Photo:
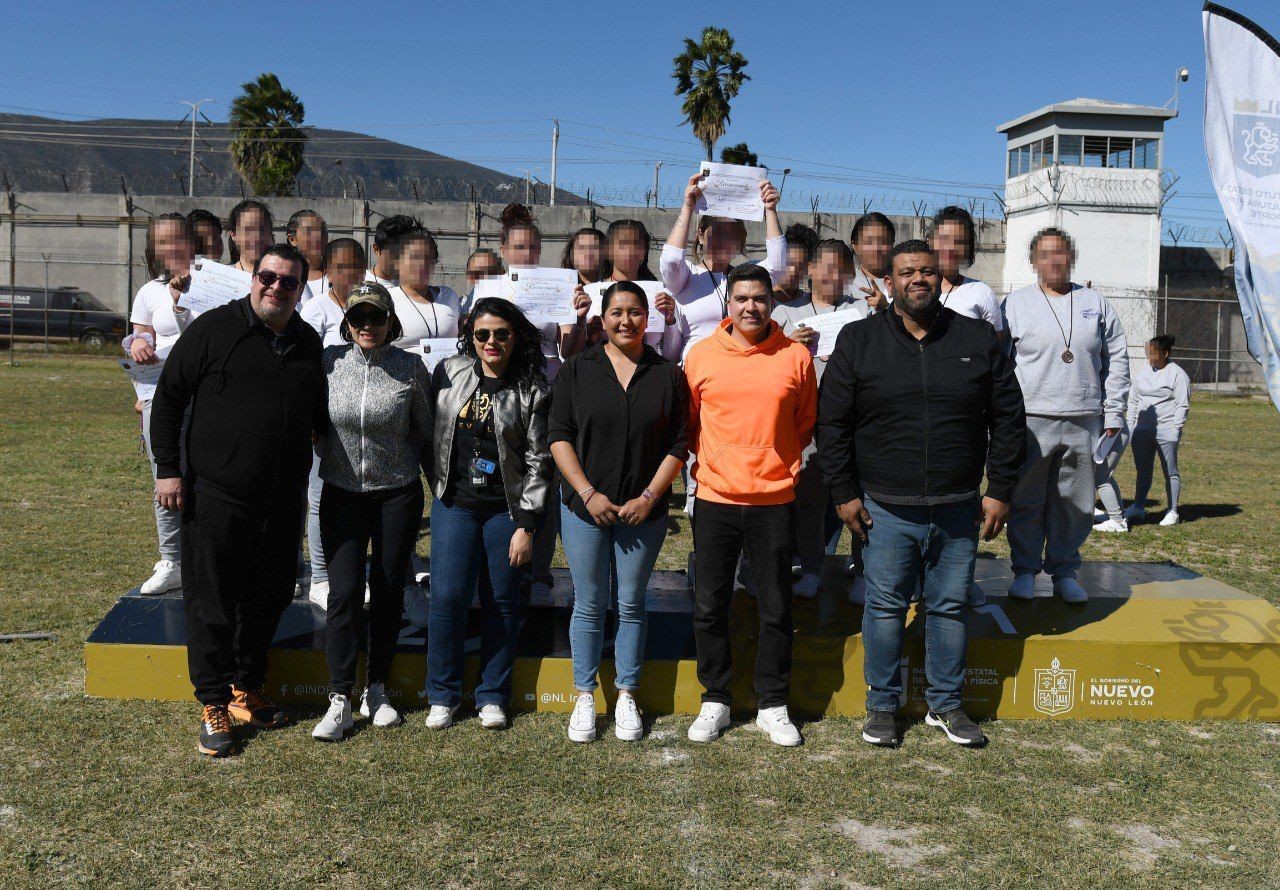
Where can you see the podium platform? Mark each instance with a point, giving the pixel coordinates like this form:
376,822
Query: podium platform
1155,641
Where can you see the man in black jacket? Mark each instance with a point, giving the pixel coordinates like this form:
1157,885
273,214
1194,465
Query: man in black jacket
250,372
915,401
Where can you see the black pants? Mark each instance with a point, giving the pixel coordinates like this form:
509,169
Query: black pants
238,569
720,533
348,523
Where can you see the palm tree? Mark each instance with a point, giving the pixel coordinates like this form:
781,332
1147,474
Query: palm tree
739,154
267,149
709,74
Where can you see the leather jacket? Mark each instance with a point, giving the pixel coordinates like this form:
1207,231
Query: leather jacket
520,424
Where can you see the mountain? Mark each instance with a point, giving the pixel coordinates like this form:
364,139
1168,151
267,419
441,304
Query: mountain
151,156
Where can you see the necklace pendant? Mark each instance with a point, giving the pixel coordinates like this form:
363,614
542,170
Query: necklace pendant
1068,356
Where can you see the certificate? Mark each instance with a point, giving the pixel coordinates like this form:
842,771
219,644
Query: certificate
544,295
828,326
437,349
144,377
732,191
657,324
212,285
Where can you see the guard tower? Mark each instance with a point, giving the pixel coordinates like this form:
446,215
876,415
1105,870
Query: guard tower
1093,169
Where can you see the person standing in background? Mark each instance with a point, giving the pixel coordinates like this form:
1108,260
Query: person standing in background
208,229
249,233
872,238
307,231
1158,412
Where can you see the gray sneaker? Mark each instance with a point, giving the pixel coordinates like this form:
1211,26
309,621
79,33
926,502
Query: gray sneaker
958,727
881,728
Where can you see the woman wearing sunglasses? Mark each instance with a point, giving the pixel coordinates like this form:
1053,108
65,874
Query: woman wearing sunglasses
379,405
491,486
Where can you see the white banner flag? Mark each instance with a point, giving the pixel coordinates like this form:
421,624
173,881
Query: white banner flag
1242,142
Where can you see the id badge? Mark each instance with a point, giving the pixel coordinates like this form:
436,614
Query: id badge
481,470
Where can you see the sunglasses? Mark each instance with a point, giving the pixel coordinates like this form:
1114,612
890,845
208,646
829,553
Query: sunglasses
288,283
359,318
502,335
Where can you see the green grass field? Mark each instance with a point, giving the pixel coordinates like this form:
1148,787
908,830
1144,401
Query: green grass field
113,792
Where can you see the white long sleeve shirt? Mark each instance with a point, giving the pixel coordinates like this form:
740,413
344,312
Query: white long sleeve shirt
1160,401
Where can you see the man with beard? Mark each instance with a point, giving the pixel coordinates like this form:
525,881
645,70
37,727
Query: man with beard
915,401
250,372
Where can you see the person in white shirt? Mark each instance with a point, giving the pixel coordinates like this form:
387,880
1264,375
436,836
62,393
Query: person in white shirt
1158,409
249,233
484,262
872,238
954,240
426,311
698,284
307,231
627,244
158,322
208,229
345,260
584,253
386,235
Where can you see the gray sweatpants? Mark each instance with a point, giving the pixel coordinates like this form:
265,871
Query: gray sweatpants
1052,511
1146,445
1108,490
168,522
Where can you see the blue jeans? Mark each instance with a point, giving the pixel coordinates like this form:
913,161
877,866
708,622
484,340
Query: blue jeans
598,554
461,541
943,542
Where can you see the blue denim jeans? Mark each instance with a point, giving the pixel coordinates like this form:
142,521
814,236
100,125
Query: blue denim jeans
943,542
597,555
461,541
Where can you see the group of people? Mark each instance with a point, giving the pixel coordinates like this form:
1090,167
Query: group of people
309,403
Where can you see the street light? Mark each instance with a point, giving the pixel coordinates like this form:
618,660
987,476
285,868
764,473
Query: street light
1178,80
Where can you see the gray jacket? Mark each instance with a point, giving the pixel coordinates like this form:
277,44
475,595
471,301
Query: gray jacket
380,412
520,424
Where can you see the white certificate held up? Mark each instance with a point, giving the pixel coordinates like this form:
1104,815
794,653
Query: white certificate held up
657,324
212,285
144,377
437,349
828,326
732,191
544,295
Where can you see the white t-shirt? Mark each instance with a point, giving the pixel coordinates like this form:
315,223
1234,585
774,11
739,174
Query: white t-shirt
325,315
974,299
154,306
313,289
421,321
385,282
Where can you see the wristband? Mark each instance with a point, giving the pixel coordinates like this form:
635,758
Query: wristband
648,495
141,335
586,492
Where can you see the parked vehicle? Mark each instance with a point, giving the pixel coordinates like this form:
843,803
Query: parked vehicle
70,314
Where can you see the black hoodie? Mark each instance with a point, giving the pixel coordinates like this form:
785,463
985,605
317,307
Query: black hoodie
255,400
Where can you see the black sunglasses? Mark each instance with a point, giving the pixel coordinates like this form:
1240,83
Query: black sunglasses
288,283
360,317
502,335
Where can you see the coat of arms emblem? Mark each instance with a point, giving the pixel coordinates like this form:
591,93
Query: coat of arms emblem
1055,689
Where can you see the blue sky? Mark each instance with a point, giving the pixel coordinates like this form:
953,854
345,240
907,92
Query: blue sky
887,100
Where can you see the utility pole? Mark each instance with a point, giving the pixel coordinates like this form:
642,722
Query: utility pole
12,201
656,168
528,184
191,163
555,147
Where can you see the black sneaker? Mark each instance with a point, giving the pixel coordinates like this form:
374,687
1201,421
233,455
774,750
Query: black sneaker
216,739
958,727
881,728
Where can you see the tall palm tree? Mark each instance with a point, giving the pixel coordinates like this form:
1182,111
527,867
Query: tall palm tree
709,74
267,149
739,154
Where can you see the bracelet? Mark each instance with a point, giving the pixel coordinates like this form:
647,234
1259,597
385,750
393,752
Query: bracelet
581,494
589,497
648,495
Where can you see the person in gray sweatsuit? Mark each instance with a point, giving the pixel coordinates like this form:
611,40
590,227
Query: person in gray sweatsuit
1071,359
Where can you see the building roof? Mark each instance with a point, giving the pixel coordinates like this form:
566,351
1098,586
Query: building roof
1090,106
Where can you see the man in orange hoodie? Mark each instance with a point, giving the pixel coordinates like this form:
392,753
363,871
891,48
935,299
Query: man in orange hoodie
753,405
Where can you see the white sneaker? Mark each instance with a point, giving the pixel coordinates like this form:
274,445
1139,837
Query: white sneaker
1135,511
807,586
777,723
493,717
167,576
582,722
1111,525
1023,588
416,608
337,722
977,596
1070,590
441,716
858,590
1170,518
628,724
319,594
712,720
375,705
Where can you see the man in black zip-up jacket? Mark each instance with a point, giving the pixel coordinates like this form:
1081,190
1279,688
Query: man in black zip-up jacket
915,402
250,374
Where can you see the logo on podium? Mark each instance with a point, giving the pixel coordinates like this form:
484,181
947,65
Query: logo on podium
1055,689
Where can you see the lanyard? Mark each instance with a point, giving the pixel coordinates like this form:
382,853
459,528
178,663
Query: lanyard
434,317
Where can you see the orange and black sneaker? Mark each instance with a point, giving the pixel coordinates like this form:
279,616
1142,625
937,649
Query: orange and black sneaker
253,707
216,739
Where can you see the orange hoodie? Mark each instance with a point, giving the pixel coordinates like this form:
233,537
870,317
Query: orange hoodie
752,411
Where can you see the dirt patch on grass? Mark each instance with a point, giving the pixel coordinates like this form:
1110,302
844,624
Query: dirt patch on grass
1146,844
901,847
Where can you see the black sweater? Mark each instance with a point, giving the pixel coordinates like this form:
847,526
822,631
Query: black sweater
255,399
913,422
